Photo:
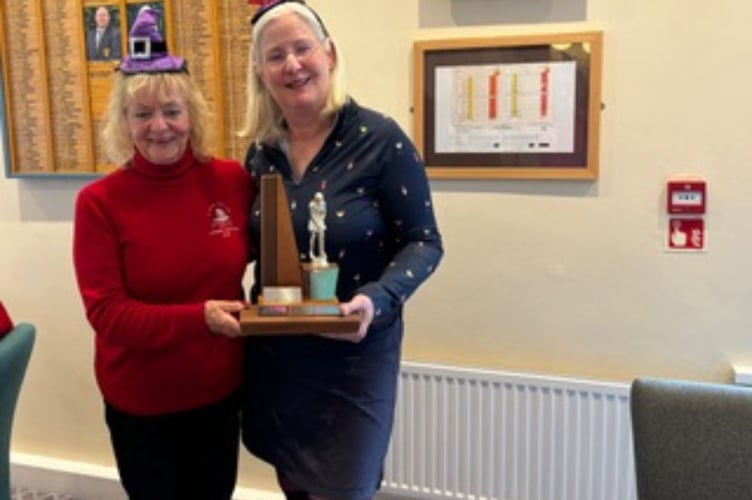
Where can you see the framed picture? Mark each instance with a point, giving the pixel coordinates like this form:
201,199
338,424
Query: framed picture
103,35
513,107
133,9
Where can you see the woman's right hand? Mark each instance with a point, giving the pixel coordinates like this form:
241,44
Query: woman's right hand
222,316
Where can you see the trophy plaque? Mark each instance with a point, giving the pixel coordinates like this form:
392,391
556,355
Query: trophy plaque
296,297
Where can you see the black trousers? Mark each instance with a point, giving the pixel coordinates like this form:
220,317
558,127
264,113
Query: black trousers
188,455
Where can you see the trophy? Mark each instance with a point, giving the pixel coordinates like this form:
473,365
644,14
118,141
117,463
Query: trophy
295,297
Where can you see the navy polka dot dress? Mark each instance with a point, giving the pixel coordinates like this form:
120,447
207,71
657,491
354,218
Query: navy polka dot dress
321,410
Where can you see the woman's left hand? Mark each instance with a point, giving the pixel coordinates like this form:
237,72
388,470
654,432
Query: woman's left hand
360,304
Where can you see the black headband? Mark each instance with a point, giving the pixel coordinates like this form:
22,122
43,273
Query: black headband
271,5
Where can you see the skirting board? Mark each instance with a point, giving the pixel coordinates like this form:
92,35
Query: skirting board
87,481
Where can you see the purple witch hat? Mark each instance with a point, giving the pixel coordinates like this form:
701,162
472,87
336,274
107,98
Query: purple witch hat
147,50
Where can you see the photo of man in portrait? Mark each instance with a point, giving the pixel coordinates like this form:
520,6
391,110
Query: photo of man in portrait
103,36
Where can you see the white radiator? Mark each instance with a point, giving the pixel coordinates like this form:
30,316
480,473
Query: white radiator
472,434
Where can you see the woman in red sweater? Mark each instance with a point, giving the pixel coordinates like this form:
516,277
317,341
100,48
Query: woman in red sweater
160,249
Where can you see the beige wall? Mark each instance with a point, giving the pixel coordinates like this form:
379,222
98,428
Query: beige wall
542,276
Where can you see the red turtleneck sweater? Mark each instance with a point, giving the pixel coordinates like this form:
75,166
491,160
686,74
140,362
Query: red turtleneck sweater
151,244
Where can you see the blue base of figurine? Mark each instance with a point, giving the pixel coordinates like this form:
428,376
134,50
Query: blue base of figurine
322,283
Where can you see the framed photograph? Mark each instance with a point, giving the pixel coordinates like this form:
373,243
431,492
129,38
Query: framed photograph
103,35
133,9
513,107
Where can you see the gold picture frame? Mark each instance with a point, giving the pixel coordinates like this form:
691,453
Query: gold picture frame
509,107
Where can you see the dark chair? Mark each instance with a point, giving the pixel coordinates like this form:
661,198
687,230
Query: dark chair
15,350
692,440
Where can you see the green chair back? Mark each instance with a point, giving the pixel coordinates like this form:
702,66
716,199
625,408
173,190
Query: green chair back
15,351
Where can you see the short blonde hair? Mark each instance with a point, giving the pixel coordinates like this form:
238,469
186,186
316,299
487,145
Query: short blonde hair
263,117
116,138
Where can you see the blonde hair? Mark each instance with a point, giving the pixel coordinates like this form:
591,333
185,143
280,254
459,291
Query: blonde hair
263,117
116,138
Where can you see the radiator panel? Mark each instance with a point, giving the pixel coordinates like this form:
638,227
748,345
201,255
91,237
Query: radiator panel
473,434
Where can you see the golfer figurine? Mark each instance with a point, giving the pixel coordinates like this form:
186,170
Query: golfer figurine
317,228
320,274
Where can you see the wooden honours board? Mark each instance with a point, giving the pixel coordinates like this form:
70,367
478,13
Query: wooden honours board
55,95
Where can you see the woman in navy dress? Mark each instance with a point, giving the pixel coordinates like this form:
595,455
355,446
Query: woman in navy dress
320,408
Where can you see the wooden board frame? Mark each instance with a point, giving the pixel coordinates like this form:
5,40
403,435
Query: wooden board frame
539,118
53,96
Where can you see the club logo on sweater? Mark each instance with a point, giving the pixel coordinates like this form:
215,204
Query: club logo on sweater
220,220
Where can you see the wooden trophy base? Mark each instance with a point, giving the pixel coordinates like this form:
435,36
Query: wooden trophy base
297,318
